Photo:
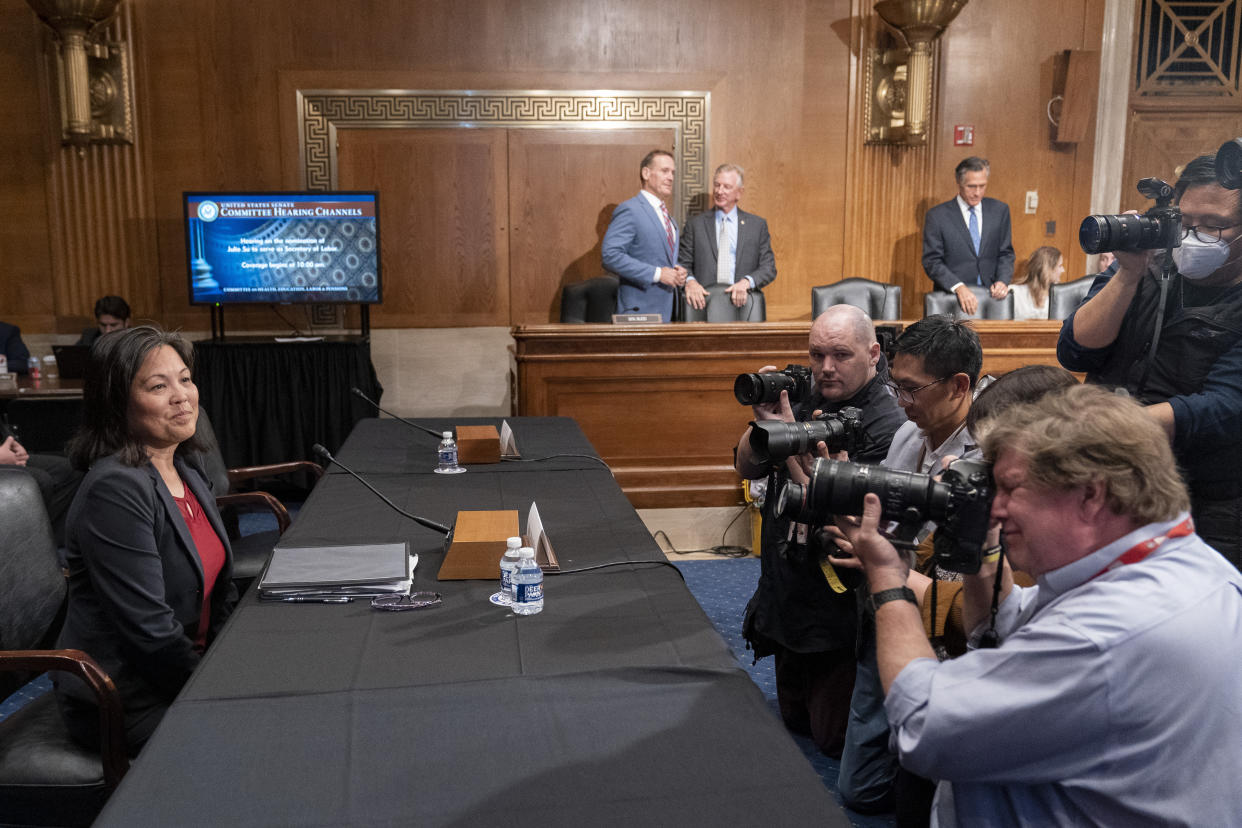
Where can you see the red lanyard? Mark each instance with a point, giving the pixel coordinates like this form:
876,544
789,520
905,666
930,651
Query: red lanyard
1141,550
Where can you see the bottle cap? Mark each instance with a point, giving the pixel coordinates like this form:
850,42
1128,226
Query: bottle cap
513,543
526,552
447,435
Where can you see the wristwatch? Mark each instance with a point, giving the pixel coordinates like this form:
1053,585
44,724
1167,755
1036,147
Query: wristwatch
895,594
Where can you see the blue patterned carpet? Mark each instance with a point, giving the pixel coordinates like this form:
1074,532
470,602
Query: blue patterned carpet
722,589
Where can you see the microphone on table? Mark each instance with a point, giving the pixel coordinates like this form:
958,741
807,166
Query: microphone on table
430,524
357,392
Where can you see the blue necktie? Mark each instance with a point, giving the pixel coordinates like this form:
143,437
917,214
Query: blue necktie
974,237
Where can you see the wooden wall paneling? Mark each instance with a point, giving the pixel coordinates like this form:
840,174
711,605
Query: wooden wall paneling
1159,143
563,186
25,243
443,198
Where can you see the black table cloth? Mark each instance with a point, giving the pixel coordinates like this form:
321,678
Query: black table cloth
617,704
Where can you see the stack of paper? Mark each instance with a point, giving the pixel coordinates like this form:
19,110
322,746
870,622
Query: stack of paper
318,572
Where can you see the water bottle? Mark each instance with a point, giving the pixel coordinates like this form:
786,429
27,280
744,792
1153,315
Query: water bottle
508,565
34,366
448,455
49,367
527,584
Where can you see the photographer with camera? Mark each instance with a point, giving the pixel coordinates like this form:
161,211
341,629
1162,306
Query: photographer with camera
936,365
802,611
1175,344
1073,718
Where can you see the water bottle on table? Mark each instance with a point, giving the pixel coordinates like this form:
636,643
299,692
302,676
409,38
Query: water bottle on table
448,456
508,565
527,584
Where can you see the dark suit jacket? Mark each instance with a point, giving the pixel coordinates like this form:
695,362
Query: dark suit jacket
697,252
948,254
635,244
89,335
13,348
136,583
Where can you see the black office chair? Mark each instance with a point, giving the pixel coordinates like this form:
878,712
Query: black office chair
250,552
720,307
45,777
1064,297
940,302
879,299
593,300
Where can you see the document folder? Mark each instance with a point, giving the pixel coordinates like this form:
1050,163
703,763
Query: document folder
354,569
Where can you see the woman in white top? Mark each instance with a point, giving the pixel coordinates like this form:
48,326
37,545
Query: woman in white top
1030,296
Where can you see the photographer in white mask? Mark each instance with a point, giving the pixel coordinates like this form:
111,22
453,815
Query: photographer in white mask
1179,349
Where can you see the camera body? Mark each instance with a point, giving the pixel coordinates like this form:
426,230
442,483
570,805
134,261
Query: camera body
960,503
1160,228
761,389
772,441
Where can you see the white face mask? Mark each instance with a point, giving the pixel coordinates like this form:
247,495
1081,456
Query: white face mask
1197,260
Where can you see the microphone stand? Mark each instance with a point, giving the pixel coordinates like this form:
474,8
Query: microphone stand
357,392
430,524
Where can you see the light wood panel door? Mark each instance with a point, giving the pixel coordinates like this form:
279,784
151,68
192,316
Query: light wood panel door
563,187
443,222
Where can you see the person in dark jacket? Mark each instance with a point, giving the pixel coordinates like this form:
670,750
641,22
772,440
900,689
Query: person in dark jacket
149,561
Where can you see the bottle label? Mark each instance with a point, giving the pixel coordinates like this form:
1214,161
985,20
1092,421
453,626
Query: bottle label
448,457
506,580
529,593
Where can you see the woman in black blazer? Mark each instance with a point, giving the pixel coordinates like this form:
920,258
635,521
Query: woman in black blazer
148,557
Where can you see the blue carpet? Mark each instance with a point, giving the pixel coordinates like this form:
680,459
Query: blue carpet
722,588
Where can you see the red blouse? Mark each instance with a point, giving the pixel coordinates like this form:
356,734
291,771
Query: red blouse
210,554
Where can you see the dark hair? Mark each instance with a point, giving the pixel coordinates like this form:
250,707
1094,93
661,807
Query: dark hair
1022,385
114,363
648,158
947,347
113,306
1200,173
972,164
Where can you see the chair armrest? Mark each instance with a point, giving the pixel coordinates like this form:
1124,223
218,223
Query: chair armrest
262,500
111,713
247,472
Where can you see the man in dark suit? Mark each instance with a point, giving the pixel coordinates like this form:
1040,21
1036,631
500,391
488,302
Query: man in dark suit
966,240
747,263
111,314
640,245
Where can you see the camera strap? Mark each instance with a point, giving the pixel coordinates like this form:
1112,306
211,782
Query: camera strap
1165,274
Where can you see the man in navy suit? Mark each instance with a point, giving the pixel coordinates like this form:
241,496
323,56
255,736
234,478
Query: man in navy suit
966,240
747,264
641,243
14,350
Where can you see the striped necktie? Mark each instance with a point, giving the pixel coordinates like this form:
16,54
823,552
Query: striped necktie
668,230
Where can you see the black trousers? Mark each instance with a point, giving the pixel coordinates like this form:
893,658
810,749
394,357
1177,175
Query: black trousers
813,691
1219,522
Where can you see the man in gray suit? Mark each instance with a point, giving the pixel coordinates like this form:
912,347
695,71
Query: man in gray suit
966,240
747,263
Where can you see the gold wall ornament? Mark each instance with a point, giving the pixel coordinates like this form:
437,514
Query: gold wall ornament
899,81
93,77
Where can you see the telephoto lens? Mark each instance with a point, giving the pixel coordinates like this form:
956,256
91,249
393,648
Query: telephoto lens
763,389
772,441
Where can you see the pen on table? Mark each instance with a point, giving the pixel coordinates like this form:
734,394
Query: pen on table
302,599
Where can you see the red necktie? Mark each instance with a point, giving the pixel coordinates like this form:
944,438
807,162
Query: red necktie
668,229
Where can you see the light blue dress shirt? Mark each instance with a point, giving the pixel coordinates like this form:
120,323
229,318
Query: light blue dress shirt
1113,700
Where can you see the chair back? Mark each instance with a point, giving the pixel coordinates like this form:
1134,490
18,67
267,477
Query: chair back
211,461
1065,297
44,424
940,302
720,307
592,300
32,585
878,299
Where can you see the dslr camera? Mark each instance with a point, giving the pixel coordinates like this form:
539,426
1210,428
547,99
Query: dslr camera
774,440
959,503
1160,228
760,389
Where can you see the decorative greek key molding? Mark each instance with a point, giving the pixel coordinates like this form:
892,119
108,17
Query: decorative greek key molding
322,111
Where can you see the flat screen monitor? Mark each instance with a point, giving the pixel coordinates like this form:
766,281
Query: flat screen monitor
265,247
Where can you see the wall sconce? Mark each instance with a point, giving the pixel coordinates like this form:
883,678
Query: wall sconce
93,78
899,81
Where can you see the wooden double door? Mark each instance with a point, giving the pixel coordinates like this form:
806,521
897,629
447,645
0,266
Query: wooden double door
484,226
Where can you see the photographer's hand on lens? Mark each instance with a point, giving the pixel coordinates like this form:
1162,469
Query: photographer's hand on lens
843,557
781,410
885,567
